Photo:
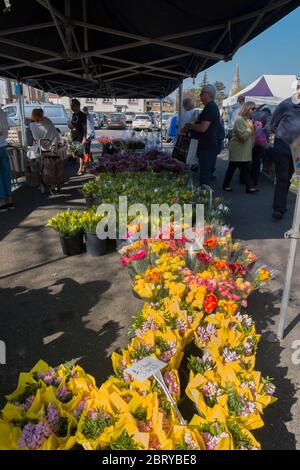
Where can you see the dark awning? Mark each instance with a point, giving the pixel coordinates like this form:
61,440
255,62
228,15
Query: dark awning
119,48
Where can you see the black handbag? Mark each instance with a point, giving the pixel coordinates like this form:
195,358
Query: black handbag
181,148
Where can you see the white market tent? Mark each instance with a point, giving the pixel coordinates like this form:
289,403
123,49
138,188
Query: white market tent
267,89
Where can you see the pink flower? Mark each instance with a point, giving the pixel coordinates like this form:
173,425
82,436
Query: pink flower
139,255
125,261
171,382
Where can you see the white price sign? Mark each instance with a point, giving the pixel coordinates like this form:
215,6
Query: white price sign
145,368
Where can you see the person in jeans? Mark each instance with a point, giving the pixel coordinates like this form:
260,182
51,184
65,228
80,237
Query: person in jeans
240,148
6,202
206,129
285,124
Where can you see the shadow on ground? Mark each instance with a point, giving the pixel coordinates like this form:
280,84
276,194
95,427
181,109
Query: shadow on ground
28,199
251,214
54,322
274,435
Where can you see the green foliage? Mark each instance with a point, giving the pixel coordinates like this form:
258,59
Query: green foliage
30,390
93,428
66,222
140,414
215,429
197,366
240,439
140,352
235,403
125,442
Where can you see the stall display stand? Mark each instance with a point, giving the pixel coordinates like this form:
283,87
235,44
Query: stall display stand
293,235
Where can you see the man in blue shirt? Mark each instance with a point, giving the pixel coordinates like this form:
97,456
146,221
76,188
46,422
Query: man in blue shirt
206,130
285,124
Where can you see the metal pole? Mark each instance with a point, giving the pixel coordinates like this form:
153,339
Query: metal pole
161,112
294,234
22,122
180,107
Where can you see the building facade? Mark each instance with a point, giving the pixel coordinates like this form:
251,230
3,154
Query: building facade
31,95
104,105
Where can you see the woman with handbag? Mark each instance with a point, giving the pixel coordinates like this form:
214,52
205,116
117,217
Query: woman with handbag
240,148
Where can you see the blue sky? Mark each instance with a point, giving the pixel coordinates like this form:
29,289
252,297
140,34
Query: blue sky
276,51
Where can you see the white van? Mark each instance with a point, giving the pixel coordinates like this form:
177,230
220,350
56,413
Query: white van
55,112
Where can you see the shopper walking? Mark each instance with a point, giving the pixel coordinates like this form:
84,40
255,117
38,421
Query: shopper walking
6,202
240,148
285,124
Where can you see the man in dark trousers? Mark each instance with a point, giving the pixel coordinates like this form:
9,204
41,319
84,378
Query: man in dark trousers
206,130
285,124
78,126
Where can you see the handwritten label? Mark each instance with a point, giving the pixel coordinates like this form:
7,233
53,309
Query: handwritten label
145,368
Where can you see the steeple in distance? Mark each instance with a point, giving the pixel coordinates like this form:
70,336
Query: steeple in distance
236,84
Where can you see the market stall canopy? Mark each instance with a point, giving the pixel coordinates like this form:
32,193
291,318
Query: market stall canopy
267,89
117,48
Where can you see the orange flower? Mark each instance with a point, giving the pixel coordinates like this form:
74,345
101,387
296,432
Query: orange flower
210,243
210,303
220,265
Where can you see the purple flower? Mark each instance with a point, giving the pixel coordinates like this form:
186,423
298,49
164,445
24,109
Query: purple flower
80,408
50,377
205,333
63,394
27,404
182,326
34,435
230,355
149,324
53,417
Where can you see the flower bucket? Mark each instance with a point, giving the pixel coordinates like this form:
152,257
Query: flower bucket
72,244
90,201
95,246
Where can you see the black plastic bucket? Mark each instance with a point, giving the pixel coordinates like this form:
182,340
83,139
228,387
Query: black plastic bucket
72,245
95,246
90,201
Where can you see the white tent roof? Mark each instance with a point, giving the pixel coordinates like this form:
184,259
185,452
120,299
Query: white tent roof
281,87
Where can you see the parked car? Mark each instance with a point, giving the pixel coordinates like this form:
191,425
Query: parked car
129,117
151,114
165,118
55,112
116,121
142,121
103,120
96,120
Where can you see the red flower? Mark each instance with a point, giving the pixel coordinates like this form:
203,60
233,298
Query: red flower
210,303
237,268
204,258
